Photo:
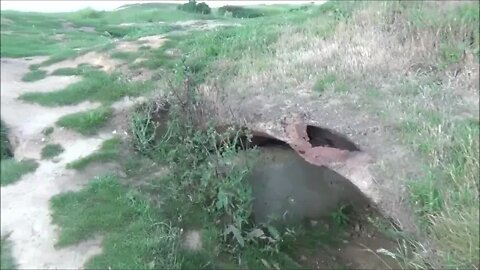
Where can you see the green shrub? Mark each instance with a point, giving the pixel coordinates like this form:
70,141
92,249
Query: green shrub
194,7
89,13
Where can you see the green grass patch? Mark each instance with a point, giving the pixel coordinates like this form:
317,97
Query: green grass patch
330,81
109,151
97,86
34,75
51,150
13,170
7,260
86,123
80,70
446,197
134,237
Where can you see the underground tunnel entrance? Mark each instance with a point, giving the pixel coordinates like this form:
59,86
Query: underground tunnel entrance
289,189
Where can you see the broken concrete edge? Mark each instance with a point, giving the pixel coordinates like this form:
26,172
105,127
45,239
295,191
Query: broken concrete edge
353,165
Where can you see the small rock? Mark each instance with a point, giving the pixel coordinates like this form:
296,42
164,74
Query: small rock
345,241
357,227
114,132
313,223
303,258
43,139
193,240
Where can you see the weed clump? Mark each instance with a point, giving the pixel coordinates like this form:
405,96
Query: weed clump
34,75
109,151
5,147
86,123
47,131
12,170
7,261
51,150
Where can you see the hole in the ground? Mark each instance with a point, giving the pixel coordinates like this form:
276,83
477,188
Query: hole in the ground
324,137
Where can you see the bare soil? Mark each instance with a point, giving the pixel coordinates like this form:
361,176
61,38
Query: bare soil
101,60
25,211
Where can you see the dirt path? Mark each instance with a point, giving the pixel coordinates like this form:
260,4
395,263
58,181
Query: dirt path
25,212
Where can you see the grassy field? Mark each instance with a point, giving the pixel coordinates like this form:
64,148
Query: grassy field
411,65
59,34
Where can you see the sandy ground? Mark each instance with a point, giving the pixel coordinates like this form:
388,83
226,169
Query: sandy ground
25,213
